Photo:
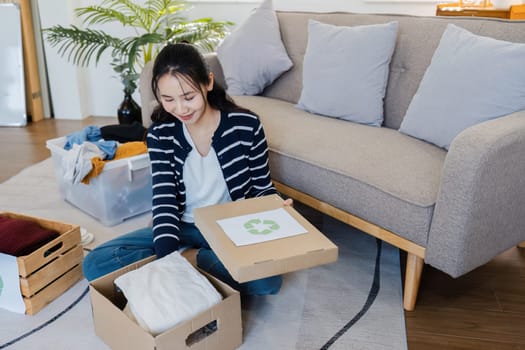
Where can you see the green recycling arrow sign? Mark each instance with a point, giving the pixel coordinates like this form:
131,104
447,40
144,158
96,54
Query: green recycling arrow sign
261,227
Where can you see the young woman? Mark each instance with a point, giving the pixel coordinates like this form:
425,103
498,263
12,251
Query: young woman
204,150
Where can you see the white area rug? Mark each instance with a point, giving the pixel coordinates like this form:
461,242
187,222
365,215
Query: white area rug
355,303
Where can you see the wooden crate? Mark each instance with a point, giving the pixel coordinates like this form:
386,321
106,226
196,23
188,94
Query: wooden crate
52,269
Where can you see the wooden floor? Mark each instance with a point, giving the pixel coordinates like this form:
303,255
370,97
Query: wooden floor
484,309
23,146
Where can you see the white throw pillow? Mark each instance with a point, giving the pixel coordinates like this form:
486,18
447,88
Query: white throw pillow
345,70
165,292
253,55
471,79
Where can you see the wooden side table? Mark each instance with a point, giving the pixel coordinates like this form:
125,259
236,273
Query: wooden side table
453,9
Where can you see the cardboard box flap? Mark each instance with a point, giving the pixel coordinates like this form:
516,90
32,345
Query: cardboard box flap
250,262
107,318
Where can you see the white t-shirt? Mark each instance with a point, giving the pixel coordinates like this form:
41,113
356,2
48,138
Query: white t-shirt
205,184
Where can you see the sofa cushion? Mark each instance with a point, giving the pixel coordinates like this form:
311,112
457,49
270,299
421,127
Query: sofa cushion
253,55
345,70
471,79
382,175
418,37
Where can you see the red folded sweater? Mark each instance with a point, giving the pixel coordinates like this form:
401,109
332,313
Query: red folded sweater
21,237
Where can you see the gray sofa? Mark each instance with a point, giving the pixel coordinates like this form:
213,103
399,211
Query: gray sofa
454,210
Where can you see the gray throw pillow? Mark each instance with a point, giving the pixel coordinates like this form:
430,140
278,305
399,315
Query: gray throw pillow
345,70
471,79
253,55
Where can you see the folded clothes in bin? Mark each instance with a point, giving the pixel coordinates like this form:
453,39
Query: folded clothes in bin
121,190
124,132
119,132
20,237
124,150
76,164
88,151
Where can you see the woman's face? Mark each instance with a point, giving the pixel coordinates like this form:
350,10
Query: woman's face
182,99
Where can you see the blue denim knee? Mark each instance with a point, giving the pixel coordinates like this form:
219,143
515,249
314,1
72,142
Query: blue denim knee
117,253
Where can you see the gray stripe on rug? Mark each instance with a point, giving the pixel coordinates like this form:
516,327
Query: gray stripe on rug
47,323
336,293
374,290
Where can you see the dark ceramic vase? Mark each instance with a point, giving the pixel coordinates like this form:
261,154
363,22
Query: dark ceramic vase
129,111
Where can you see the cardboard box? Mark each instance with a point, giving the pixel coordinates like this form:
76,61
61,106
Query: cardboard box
250,262
121,191
52,269
119,332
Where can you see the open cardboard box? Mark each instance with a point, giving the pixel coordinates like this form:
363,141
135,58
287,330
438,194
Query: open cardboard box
120,332
270,258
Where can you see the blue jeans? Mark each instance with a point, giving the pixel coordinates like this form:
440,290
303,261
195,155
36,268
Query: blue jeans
138,245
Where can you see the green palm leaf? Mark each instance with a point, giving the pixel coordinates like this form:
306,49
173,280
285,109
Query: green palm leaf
79,45
204,33
134,46
156,23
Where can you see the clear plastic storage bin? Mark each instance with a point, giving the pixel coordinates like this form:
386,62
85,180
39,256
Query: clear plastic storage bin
121,191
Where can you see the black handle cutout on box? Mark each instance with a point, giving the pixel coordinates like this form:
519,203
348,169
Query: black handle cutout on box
53,249
202,333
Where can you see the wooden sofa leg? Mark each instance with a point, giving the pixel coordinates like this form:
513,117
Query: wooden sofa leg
413,272
522,244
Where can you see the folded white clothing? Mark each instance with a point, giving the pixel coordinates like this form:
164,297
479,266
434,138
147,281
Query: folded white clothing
165,292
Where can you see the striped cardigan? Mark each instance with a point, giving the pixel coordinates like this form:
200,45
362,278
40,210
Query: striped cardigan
242,151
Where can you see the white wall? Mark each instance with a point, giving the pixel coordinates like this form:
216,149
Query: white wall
77,93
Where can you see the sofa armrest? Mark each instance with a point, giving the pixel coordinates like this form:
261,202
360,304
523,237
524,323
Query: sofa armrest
480,210
147,99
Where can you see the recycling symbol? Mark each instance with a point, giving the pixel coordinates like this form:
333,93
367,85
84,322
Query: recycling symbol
261,227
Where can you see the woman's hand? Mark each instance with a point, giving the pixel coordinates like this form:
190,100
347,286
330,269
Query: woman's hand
288,202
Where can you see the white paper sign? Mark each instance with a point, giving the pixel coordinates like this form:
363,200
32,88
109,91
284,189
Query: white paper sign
261,227
10,294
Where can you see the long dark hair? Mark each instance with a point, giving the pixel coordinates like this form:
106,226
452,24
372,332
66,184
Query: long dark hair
185,60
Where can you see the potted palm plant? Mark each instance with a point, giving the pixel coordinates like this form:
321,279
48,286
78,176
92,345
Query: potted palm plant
156,22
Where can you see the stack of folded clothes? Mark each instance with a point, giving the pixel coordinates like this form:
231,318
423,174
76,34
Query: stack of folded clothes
166,292
90,148
20,237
